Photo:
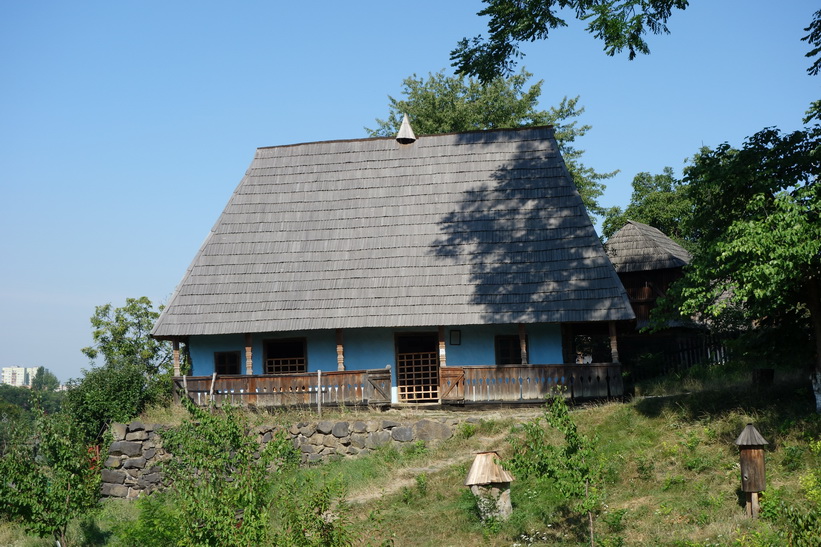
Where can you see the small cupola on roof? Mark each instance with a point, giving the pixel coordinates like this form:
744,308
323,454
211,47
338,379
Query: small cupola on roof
405,135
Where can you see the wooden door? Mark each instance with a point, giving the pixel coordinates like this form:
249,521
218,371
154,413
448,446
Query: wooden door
417,367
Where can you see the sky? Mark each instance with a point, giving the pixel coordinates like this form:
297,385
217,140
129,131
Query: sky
125,126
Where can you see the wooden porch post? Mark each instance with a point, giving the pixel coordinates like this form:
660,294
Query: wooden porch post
443,361
614,345
249,354
176,348
340,350
523,342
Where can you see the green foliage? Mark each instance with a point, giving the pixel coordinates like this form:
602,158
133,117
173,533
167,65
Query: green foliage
573,466
156,526
221,478
44,380
449,104
135,370
620,25
814,39
48,478
121,336
798,526
106,395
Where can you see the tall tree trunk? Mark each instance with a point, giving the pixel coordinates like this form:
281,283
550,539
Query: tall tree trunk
814,306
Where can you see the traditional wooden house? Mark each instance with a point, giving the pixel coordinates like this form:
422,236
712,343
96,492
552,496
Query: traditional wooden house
444,268
648,262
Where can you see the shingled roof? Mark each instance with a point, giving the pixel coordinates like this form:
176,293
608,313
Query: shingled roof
459,229
640,247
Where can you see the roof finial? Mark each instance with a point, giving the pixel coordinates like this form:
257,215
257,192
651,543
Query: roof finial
405,135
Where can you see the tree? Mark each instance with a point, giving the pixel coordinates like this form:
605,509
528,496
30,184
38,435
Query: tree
620,24
757,219
814,39
48,479
449,104
657,200
44,380
122,336
135,371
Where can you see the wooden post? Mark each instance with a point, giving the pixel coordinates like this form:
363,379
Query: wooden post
340,350
176,345
523,342
614,344
443,358
249,354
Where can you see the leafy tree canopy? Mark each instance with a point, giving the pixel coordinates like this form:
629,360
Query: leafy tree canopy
449,104
757,219
122,336
44,380
657,200
135,372
620,24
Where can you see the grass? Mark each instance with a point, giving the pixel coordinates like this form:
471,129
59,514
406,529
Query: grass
672,473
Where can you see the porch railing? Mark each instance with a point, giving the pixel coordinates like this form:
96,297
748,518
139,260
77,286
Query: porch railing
470,384
512,383
354,387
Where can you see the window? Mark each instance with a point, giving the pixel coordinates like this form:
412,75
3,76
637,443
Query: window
508,350
286,356
226,362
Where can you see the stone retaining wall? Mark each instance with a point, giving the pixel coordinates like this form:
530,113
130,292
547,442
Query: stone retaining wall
133,465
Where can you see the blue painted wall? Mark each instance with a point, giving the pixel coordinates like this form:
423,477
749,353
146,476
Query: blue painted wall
374,348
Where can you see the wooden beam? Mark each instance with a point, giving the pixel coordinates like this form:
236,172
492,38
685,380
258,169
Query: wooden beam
614,344
523,342
340,350
249,354
176,348
443,360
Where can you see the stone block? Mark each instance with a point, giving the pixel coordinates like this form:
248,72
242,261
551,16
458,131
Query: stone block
330,441
307,430
427,430
377,439
358,440
402,434
341,429
389,424
307,449
112,462
136,425
125,448
325,427
136,436
112,476
134,463
149,479
114,490
314,458
148,454
118,431
359,427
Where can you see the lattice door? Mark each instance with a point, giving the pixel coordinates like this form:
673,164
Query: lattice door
418,377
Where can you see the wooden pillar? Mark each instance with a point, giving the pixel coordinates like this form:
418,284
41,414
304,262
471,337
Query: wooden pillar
443,361
340,350
249,354
614,345
523,342
176,348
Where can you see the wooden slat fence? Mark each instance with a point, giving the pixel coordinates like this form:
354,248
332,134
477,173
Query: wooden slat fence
511,383
356,387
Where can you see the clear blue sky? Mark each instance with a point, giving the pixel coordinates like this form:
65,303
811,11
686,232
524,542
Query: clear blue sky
125,126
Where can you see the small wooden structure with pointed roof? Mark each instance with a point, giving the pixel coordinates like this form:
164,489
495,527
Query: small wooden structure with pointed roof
647,262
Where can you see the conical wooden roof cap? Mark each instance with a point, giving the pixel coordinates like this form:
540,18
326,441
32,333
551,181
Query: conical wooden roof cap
405,135
486,470
750,437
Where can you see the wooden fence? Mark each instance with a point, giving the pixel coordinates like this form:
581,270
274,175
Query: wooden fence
354,387
468,384
514,383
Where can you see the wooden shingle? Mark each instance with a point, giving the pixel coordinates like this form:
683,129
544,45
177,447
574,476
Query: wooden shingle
460,229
